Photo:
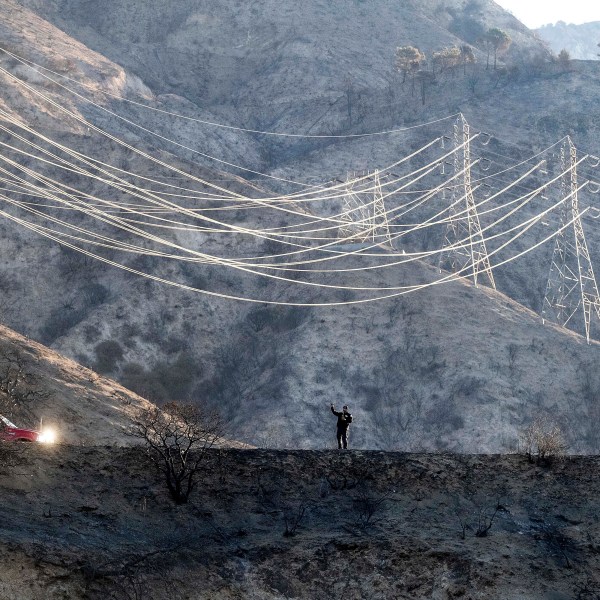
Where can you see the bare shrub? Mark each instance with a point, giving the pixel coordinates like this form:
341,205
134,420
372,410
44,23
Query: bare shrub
293,516
134,575
558,543
247,368
291,317
164,379
177,439
543,441
76,266
467,386
477,516
485,519
367,504
259,318
94,294
513,351
443,416
135,377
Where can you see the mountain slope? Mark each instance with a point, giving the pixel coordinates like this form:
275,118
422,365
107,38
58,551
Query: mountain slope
96,523
82,406
452,367
27,34
268,65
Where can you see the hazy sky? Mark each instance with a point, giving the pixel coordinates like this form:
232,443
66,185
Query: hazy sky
535,13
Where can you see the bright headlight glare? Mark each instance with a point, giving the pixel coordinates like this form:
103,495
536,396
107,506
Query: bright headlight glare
47,436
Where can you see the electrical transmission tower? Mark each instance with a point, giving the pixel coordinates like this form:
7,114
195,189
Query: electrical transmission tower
365,217
572,291
471,260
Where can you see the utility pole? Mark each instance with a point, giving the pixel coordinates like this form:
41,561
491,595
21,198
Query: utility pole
571,291
470,260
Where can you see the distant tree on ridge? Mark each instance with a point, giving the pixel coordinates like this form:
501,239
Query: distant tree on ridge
467,57
408,60
564,59
495,40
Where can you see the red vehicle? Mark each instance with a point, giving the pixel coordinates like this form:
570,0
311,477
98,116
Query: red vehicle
10,432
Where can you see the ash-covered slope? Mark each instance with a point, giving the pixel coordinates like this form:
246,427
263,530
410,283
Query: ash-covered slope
27,34
95,523
452,367
83,407
271,65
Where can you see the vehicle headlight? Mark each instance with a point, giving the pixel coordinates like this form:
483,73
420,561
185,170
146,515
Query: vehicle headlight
47,436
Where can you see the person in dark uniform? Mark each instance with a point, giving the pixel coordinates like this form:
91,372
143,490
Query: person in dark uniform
343,422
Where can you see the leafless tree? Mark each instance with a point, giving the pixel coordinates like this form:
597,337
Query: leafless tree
467,57
19,387
513,351
247,367
177,438
426,79
473,81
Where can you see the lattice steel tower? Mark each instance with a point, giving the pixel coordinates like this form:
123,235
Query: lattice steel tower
572,291
471,260
364,214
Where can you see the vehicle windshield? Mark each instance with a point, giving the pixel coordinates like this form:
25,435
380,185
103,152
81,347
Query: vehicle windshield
7,422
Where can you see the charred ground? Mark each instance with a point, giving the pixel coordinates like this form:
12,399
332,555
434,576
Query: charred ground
96,523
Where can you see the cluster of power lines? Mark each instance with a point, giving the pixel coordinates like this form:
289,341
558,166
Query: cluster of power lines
326,244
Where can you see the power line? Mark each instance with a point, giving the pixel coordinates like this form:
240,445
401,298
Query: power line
29,63
373,215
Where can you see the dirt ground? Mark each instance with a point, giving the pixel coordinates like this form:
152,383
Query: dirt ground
96,522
